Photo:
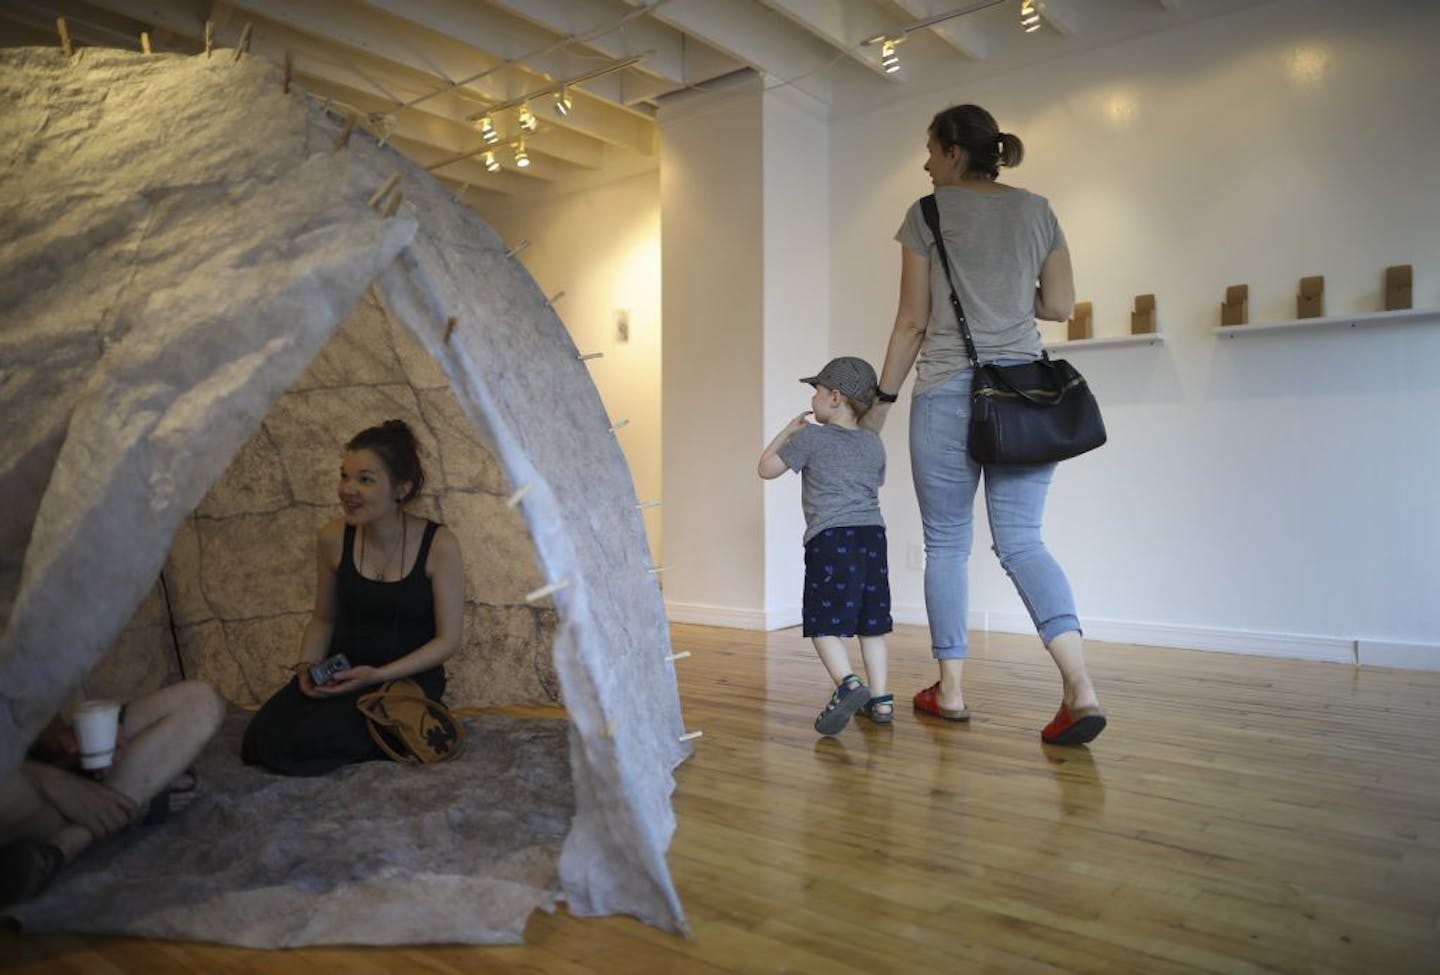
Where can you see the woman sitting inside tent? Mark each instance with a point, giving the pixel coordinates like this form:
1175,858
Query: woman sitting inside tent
389,598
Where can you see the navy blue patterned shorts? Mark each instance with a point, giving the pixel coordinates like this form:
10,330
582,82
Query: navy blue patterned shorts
847,583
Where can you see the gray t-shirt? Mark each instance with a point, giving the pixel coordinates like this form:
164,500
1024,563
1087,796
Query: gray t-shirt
997,242
840,476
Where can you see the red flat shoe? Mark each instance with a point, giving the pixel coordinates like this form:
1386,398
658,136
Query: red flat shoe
1073,727
928,702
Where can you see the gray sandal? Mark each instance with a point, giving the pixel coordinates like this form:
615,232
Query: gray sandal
868,709
850,696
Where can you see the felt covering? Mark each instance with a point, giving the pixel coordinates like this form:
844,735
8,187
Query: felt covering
178,240
375,853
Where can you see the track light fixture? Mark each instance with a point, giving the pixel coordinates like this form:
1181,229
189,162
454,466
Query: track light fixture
1029,16
492,165
562,101
522,158
889,60
486,125
527,118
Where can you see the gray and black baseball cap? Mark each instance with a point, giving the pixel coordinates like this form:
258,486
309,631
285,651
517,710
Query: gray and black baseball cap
849,375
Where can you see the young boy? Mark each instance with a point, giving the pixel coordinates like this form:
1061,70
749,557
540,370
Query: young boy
847,584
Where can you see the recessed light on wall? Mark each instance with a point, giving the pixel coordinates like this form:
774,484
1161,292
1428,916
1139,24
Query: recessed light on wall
563,102
527,118
492,165
486,125
522,158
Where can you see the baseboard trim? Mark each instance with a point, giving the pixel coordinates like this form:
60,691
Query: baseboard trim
1324,649
733,617
1405,656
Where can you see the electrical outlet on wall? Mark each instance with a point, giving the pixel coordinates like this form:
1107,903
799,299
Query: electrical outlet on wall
622,325
915,557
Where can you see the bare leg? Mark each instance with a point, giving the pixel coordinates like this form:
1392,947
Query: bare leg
877,668
1068,650
834,656
165,731
952,695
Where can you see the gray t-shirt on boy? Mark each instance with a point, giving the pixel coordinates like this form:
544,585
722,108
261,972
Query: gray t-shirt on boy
997,242
840,475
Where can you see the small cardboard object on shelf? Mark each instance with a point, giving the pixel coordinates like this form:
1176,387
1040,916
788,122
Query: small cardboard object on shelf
1397,287
1235,309
1142,319
1080,325
1310,303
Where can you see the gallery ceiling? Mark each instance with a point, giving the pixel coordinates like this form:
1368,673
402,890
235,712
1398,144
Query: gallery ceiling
425,73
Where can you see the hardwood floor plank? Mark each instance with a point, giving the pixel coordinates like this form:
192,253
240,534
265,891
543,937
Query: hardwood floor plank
1240,814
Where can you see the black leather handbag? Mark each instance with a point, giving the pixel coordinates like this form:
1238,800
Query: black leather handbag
1033,413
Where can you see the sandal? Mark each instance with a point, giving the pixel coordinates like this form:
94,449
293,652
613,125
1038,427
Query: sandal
172,799
26,868
928,702
1073,727
850,696
871,708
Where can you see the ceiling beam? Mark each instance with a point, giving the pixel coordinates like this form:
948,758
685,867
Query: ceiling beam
964,34
448,59
755,36
842,24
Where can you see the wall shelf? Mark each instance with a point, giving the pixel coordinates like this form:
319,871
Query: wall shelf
1400,317
1148,338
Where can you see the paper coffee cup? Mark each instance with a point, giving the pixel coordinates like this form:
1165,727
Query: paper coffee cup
96,723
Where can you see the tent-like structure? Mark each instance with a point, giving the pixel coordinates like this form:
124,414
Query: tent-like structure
201,272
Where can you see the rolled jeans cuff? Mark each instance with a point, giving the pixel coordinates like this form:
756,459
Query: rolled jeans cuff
1052,628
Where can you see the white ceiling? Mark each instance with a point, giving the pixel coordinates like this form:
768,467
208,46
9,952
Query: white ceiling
420,71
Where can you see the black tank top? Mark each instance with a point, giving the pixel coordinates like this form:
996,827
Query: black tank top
377,622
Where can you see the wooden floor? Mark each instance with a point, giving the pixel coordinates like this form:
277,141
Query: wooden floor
1241,814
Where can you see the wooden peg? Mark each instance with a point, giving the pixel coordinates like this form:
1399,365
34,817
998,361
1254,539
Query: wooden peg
656,570
647,504
1142,319
678,656
691,736
520,493
343,138
591,355
543,591
244,44
395,202
620,426
1235,309
1397,287
554,298
65,44
144,42
1080,325
517,248
209,38
1310,303
384,190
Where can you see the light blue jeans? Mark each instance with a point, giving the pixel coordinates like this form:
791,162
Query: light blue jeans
945,482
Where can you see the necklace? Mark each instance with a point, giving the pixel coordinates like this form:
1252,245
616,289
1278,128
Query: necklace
379,575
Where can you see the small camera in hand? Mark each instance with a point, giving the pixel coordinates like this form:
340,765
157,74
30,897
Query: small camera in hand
324,672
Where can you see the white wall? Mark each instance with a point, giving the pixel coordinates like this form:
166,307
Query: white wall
1268,494
601,246
711,195
797,319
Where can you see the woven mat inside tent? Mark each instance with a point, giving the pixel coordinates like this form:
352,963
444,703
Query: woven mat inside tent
377,853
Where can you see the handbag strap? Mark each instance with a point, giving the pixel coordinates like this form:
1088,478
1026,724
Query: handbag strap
931,211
